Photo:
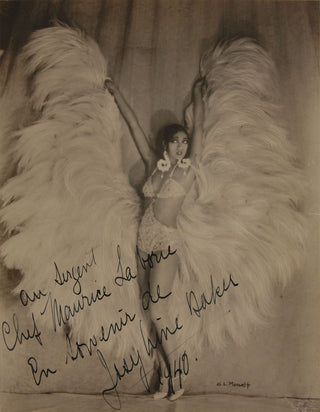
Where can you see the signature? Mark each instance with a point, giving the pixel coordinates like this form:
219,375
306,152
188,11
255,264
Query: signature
125,369
244,385
162,335
197,304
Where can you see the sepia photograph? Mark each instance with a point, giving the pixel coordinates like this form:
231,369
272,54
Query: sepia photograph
159,205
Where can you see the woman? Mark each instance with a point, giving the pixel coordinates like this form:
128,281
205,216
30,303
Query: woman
242,221
164,191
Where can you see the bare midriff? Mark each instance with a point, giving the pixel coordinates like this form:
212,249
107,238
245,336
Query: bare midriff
166,209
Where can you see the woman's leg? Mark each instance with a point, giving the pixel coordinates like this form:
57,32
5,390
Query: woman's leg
167,325
145,293
143,273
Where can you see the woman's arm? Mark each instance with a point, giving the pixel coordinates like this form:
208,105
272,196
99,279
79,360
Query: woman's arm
198,118
136,131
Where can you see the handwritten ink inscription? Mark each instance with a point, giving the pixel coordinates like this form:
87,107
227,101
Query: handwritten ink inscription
200,303
14,333
33,363
25,298
150,261
60,314
179,368
76,273
76,349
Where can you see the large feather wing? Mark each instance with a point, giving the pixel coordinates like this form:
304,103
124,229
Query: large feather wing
242,217
70,204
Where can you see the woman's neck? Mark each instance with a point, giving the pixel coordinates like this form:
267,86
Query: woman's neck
173,162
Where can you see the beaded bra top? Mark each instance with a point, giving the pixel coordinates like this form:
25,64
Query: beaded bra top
170,188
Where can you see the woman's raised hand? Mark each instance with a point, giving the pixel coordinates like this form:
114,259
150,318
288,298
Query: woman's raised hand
110,86
199,88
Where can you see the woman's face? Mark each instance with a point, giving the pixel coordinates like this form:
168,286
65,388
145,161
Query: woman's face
178,146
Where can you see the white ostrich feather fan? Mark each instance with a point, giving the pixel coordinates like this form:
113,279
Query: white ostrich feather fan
244,216
70,203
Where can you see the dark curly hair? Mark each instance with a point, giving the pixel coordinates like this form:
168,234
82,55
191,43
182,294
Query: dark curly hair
165,135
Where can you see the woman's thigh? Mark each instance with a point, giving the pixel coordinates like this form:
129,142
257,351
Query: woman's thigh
162,275
143,273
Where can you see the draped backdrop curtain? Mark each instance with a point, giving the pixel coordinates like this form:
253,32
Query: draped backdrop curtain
153,48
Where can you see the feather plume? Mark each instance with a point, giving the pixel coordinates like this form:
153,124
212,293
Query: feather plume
244,217
70,204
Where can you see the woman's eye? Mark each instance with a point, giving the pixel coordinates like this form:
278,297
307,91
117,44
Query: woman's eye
185,141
